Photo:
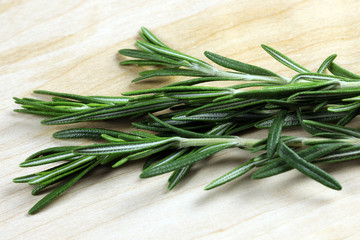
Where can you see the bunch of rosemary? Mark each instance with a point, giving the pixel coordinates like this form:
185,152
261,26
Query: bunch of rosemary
201,120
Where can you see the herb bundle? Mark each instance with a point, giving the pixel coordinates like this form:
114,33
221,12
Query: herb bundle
201,120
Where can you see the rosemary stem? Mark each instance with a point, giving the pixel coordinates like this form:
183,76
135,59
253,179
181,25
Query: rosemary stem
250,77
212,71
343,84
313,141
196,142
250,142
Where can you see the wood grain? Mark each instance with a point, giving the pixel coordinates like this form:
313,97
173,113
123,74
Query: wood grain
71,46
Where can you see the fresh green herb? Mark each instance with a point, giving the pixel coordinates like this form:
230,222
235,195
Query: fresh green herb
201,121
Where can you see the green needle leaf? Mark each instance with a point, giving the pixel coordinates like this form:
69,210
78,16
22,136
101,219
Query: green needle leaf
197,95
25,179
120,162
84,99
345,108
58,191
55,179
306,127
126,147
343,154
63,169
177,176
152,38
327,62
44,106
235,173
111,112
147,63
149,56
339,71
149,152
169,52
348,117
36,112
335,128
274,133
277,165
223,106
317,77
52,150
171,157
175,89
199,80
181,132
282,91
238,66
310,170
169,72
321,95
284,60
186,160
69,155
93,133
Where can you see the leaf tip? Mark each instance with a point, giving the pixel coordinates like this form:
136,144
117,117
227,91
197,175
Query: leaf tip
338,187
255,176
23,164
209,187
15,180
143,174
32,211
143,29
264,46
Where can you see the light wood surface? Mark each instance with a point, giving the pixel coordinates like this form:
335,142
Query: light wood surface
71,46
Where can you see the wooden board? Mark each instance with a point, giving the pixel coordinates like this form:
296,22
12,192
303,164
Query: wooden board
71,46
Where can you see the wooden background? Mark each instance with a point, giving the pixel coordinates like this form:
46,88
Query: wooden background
71,46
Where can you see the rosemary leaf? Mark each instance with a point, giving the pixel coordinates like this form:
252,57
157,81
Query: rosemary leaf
80,98
284,59
149,56
186,160
175,89
335,128
25,179
68,155
92,133
58,191
179,131
168,72
48,151
62,169
199,80
327,62
282,91
57,178
126,147
233,174
341,155
177,176
278,165
308,169
339,71
152,38
348,117
169,52
274,133
238,66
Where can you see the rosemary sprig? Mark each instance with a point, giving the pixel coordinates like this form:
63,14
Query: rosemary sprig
133,146
201,121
